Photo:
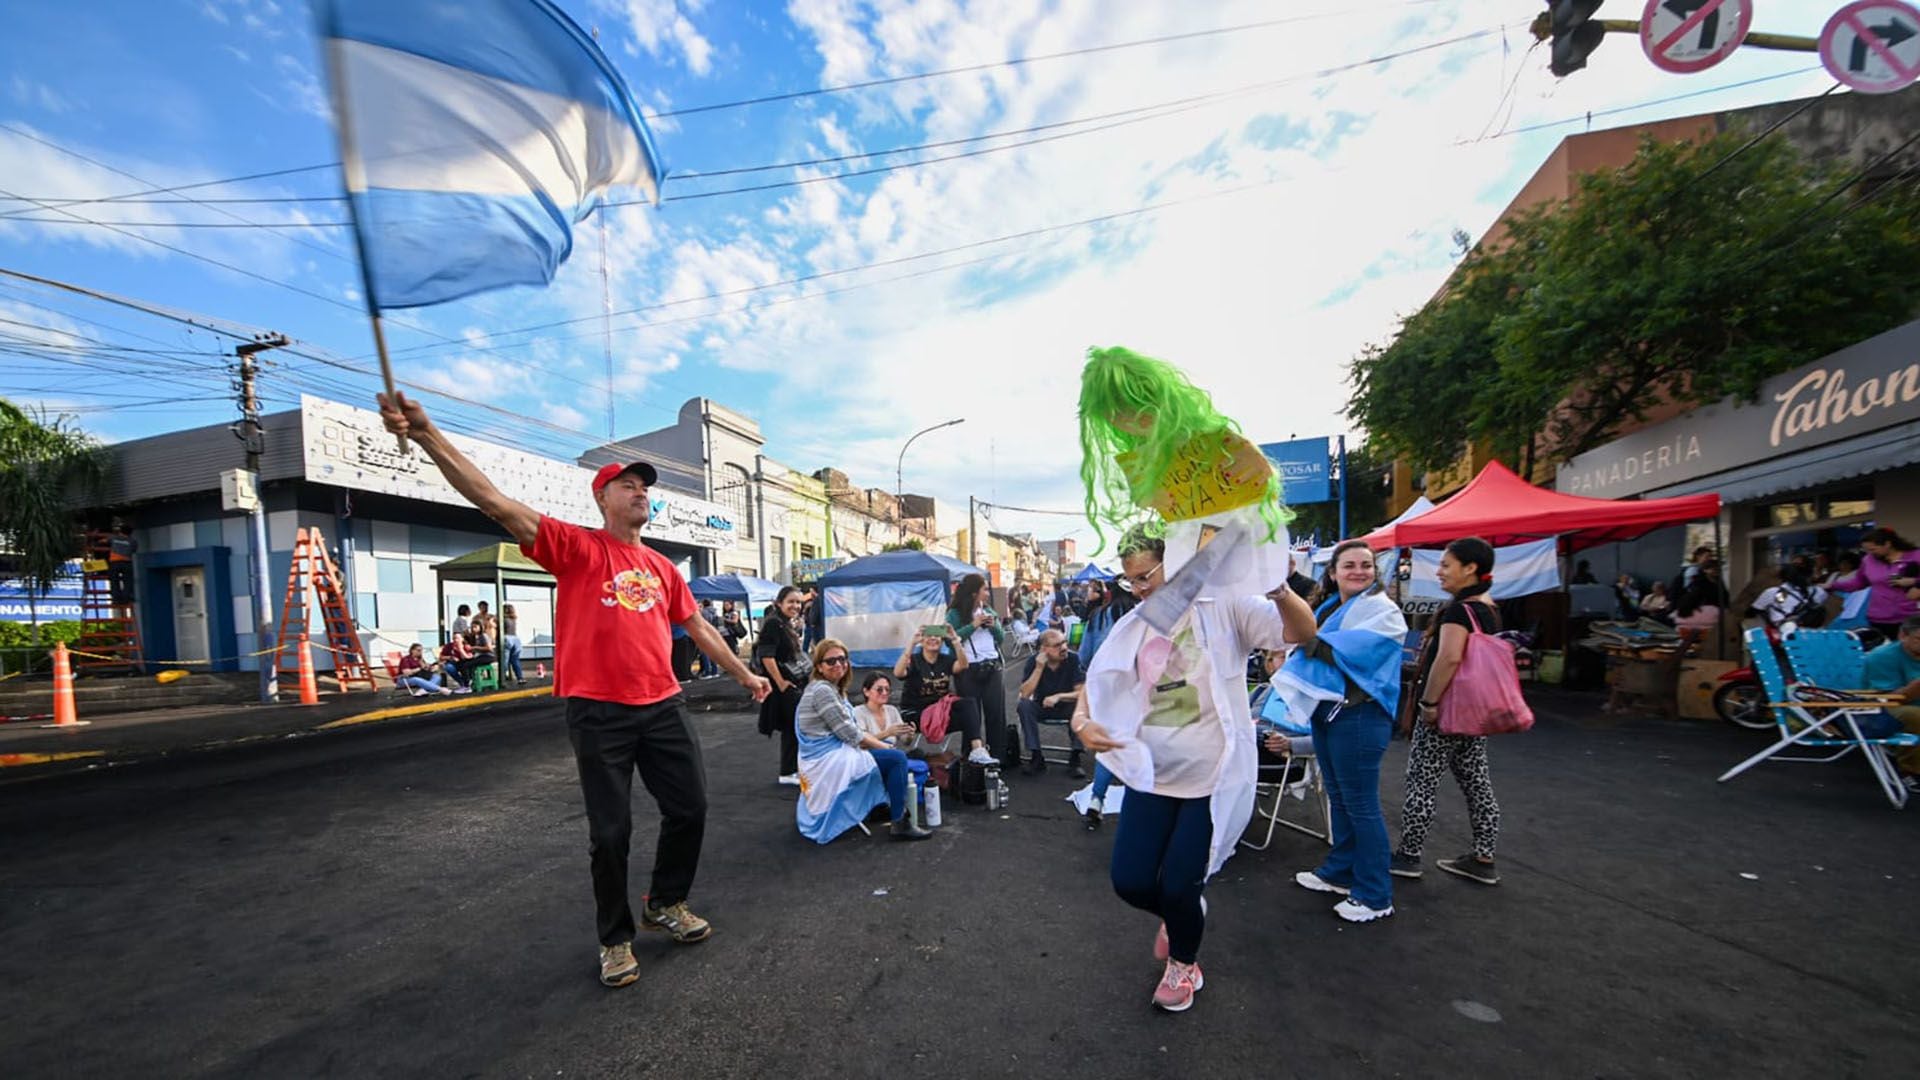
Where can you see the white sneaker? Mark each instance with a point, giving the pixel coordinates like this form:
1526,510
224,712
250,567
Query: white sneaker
414,691
979,756
1313,882
791,779
463,689
1354,911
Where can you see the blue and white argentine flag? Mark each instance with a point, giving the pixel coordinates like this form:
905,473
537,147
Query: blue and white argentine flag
474,134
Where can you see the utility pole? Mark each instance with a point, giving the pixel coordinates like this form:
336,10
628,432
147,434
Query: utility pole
253,435
973,532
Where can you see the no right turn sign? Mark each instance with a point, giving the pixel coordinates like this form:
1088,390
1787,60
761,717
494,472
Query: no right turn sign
1873,46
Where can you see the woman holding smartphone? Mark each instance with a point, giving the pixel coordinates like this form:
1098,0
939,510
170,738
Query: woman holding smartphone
928,672
979,635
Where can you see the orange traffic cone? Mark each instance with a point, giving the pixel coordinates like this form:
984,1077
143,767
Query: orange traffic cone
64,714
309,690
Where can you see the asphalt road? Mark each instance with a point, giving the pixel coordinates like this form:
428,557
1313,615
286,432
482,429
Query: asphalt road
412,899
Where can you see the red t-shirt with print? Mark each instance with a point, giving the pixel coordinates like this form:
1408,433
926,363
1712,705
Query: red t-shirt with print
614,613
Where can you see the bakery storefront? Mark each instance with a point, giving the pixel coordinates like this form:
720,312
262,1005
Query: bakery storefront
1825,453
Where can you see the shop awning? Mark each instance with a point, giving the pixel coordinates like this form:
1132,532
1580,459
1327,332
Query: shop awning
1503,509
1862,455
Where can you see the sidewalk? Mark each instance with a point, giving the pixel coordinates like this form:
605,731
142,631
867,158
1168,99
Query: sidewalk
33,750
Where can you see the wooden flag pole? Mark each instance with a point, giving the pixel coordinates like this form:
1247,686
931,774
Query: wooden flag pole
353,177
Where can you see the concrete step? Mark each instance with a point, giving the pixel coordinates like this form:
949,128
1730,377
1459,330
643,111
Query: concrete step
122,693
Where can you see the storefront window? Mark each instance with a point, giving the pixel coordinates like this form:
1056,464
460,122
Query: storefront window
1781,515
1853,504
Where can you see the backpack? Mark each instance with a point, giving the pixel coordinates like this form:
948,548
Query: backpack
1809,615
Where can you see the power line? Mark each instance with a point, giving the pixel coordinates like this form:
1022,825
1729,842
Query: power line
69,151
893,80
1127,116
308,353
788,96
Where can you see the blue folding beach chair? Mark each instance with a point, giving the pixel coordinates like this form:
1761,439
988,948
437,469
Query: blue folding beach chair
1822,709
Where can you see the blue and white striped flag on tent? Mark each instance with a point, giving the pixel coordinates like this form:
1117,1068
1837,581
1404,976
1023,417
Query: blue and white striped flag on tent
474,134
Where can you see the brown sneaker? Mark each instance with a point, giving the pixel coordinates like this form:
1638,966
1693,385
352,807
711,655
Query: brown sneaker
675,919
617,965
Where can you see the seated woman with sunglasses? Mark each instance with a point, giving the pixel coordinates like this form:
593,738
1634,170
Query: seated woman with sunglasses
844,771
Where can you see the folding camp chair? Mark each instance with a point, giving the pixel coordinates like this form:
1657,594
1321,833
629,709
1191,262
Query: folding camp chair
1297,774
1813,714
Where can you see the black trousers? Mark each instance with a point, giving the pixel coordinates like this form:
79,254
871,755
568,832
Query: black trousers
610,742
981,683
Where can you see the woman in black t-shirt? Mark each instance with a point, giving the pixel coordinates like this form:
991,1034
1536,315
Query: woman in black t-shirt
779,654
927,671
1466,572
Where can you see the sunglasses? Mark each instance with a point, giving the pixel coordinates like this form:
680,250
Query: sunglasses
827,661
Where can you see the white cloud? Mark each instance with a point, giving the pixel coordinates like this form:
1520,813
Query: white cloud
1263,296
663,29
299,89
38,95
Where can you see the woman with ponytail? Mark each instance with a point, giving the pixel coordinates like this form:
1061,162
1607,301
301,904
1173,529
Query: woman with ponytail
1466,572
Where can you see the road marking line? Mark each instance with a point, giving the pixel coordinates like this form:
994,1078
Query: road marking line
9,760
458,701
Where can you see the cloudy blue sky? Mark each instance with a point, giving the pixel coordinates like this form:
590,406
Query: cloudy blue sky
1269,199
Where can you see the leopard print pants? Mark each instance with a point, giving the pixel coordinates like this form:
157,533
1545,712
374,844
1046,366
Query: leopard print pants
1466,757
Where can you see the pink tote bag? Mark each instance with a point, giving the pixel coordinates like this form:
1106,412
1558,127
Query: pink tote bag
1484,696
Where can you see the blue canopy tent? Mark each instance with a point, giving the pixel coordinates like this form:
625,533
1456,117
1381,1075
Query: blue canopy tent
875,603
740,588
1092,573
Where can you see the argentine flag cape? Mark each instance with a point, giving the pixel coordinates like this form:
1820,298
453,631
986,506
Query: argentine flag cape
1364,634
1227,627
840,784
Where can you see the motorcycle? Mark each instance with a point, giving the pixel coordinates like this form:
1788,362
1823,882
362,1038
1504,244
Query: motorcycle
1741,699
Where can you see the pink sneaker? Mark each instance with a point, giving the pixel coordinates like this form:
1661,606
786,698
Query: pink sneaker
1160,946
1177,986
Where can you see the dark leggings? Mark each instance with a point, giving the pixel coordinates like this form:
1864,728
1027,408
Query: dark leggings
1160,864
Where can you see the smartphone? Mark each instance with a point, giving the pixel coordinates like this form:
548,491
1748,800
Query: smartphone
934,630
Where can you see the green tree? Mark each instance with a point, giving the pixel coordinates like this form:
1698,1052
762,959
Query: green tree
44,462
1691,274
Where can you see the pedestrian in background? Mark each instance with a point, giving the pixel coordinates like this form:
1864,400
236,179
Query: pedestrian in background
1890,571
978,630
1466,573
510,646
783,658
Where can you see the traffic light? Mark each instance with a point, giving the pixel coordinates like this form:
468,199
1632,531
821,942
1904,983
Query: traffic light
1575,34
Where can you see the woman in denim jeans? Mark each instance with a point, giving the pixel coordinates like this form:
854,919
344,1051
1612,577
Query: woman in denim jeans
510,646
1347,678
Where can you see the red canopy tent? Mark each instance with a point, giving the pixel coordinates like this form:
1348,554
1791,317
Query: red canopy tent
1503,509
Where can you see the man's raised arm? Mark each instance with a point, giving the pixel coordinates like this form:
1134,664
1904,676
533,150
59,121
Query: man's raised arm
406,417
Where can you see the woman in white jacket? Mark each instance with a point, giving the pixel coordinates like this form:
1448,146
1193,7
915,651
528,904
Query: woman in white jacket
1174,727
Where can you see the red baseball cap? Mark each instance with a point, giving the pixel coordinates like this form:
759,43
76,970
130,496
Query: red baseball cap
648,475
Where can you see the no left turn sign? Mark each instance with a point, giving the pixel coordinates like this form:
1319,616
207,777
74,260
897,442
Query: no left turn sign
1685,36
1873,46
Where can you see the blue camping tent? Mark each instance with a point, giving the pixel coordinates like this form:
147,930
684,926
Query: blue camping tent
875,603
740,588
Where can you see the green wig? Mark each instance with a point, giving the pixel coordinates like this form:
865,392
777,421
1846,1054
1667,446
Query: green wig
1136,413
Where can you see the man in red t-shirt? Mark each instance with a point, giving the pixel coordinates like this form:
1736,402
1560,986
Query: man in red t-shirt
616,604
